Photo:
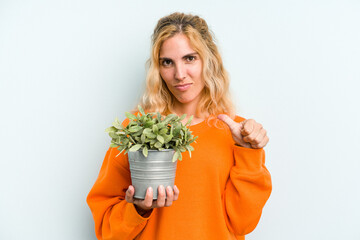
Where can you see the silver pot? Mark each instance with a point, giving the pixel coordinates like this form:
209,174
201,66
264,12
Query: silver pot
151,171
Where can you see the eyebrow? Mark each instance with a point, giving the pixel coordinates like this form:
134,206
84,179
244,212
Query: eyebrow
187,55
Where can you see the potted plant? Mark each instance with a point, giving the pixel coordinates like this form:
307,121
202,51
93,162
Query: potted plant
153,143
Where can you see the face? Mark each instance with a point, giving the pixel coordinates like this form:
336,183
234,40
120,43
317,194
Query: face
181,69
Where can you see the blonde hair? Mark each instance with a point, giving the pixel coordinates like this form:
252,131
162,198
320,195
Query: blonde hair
215,97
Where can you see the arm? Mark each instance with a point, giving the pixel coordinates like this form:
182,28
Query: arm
249,185
114,217
247,190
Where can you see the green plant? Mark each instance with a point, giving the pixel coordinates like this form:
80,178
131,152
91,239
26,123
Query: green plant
152,131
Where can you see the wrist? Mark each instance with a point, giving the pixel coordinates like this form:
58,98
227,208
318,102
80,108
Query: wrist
142,212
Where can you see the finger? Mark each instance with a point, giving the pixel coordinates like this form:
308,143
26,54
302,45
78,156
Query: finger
129,195
248,127
161,196
176,193
169,196
259,140
256,135
263,142
228,121
147,202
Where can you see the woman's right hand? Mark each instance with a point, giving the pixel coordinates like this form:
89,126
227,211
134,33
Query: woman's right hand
144,206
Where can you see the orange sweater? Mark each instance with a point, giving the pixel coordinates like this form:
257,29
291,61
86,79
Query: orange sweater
223,189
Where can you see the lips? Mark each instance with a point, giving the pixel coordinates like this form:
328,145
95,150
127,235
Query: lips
183,87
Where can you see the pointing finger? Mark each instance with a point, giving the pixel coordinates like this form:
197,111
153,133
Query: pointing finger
228,121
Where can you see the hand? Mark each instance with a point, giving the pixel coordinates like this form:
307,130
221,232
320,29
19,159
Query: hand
248,133
143,206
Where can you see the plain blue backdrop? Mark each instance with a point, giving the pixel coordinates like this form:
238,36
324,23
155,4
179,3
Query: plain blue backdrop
68,68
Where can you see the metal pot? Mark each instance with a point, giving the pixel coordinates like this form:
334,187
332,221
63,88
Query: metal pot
151,171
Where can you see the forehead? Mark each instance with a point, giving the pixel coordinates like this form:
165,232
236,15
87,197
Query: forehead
176,46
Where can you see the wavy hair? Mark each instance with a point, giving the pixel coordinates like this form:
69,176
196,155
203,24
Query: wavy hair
215,97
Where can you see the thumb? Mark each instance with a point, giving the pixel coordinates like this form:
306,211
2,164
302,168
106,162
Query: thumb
228,121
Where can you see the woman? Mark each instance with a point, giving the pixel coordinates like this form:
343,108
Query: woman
224,186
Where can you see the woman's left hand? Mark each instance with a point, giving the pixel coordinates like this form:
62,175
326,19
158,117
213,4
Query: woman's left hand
247,133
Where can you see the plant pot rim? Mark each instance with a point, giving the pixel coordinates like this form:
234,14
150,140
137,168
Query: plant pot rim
153,150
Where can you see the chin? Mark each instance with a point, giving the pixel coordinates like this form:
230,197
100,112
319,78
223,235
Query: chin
184,101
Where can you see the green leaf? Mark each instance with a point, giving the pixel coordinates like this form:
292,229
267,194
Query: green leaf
135,147
189,148
113,145
147,131
148,124
151,135
180,156
155,129
134,129
158,117
163,131
117,124
131,140
121,148
143,138
177,129
145,151
125,141
182,149
160,138
167,138
189,121
113,135
175,156
193,140
161,125
138,133
169,118
171,129
111,129
132,123
130,116
182,117
158,145
141,110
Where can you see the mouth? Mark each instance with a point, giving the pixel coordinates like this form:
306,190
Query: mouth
183,87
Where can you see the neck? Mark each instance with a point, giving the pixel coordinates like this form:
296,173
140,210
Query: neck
190,110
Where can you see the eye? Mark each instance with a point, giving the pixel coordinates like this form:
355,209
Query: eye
166,62
190,58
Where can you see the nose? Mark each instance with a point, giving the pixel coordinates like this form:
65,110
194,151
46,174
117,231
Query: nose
180,72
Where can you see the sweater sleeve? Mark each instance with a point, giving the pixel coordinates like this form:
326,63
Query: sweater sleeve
114,217
247,190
